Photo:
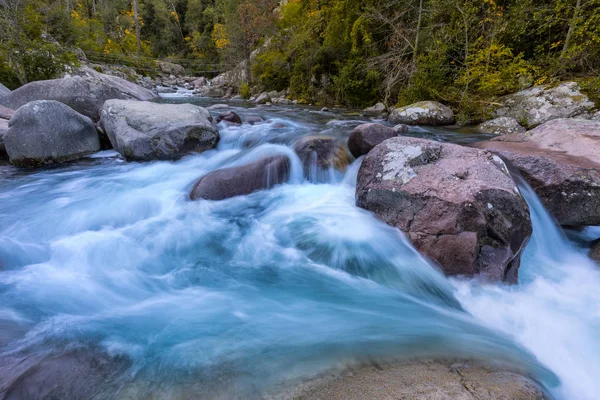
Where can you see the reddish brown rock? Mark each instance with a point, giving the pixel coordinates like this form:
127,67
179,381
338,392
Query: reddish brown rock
245,179
560,159
457,205
366,136
229,117
6,113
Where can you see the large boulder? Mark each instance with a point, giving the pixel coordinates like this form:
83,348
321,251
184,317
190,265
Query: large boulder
539,104
320,154
560,159
47,131
245,179
170,68
142,130
366,136
432,380
501,126
4,90
422,113
85,93
457,205
3,130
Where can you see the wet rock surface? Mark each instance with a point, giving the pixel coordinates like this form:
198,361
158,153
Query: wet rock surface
318,153
561,161
144,131
46,131
229,117
421,380
244,179
459,206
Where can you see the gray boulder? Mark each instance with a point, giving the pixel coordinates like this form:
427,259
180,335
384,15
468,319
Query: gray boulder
170,68
376,109
242,180
422,113
263,98
85,93
46,131
560,159
319,154
365,137
3,130
458,205
401,129
539,104
143,131
4,90
501,126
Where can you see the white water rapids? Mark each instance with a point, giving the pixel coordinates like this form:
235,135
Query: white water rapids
268,288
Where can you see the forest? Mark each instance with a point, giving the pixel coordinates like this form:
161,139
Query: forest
354,53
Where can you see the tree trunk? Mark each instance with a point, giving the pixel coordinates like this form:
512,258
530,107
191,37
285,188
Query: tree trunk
418,31
571,29
137,27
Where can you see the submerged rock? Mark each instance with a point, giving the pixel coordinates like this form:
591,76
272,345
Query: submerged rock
244,179
78,374
230,117
47,131
459,206
422,113
539,104
595,250
560,159
85,93
433,380
319,153
366,136
501,126
401,129
143,131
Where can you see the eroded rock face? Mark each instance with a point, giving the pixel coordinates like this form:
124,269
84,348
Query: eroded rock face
432,380
501,126
245,179
422,113
365,137
320,153
85,93
457,205
230,117
144,131
47,131
560,159
539,104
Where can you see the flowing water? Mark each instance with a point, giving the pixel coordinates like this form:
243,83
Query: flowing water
237,297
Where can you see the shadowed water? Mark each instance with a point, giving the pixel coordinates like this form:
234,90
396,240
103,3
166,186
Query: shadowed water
233,298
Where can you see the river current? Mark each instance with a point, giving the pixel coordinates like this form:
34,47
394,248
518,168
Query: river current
235,298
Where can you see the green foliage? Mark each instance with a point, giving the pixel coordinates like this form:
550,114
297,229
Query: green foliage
272,69
245,91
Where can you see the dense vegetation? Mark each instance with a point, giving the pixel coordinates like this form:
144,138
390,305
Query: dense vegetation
351,52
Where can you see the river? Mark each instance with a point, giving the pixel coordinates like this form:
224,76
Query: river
236,297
